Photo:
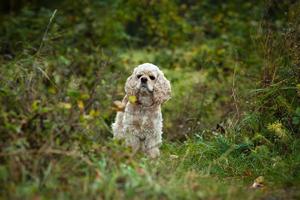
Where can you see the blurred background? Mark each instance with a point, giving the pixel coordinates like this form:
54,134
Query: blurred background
65,62
233,66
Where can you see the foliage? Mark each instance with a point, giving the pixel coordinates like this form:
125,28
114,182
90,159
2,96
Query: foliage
234,114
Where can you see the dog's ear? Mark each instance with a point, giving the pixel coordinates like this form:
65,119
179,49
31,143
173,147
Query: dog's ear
130,85
162,89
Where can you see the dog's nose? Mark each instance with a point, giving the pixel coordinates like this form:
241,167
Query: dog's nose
144,80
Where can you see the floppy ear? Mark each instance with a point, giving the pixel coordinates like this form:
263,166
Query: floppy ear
162,89
130,85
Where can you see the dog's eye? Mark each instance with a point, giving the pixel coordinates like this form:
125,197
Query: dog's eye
139,76
152,77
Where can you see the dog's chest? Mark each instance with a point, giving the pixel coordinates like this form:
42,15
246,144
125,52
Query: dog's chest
142,119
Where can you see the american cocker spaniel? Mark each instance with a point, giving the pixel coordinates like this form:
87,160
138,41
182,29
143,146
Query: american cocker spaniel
140,123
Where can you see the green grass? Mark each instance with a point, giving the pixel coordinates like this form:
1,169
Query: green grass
196,169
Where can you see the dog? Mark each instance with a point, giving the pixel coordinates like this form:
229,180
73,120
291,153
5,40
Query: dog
140,124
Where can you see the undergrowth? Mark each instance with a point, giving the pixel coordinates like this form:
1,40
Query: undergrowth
234,115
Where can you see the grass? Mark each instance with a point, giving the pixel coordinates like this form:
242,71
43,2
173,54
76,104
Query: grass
196,169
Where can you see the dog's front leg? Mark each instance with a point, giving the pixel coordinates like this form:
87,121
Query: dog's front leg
153,152
152,146
133,142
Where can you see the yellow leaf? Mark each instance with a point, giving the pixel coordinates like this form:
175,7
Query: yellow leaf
132,99
86,117
35,105
173,156
52,90
218,17
65,105
80,105
94,113
84,96
220,51
258,182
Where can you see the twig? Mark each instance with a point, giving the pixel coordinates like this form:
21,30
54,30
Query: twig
46,31
234,95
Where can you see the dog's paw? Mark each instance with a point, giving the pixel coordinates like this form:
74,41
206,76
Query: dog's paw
118,106
153,153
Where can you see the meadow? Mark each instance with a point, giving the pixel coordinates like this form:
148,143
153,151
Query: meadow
233,119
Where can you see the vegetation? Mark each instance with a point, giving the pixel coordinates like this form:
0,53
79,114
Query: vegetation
234,115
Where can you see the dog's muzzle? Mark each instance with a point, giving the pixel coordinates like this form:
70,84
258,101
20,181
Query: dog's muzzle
144,80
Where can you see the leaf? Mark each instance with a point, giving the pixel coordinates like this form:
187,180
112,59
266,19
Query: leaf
80,105
3,173
132,99
173,156
84,96
64,60
35,105
298,111
258,182
52,90
296,120
64,105
73,93
94,113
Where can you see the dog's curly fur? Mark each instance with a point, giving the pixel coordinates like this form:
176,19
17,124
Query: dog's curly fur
141,122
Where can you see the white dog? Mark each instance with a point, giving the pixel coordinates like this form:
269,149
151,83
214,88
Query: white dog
141,122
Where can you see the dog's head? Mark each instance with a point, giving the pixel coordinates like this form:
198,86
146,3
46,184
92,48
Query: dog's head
148,81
